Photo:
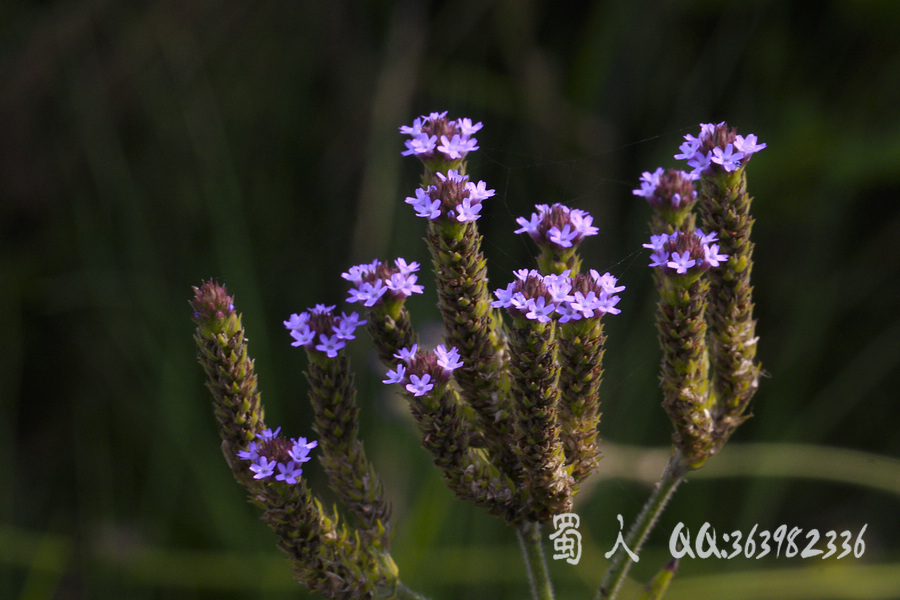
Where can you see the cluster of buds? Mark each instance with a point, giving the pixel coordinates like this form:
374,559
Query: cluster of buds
540,297
272,452
451,197
378,282
683,252
338,560
319,329
705,314
508,408
717,148
558,231
434,139
419,372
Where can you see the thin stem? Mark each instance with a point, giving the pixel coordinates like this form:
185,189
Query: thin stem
675,471
404,593
530,540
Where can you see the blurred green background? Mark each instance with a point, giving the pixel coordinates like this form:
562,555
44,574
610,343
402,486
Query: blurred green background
148,145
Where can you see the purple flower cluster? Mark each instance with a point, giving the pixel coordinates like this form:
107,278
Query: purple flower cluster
672,189
717,145
377,280
542,297
557,226
452,197
435,134
319,329
274,453
682,252
419,372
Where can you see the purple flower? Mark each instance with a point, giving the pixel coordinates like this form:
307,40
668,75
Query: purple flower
558,286
557,226
504,296
369,293
748,144
251,453
706,238
681,262
455,137
405,268
299,451
657,242
607,304
699,162
330,345
263,468
452,196
568,312
268,435
719,145
562,237
607,282
712,256
297,321
358,273
585,304
688,149
421,144
582,222
345,327
413,130
648,182
377,280
303,336
447,359
682,251
465,126
528,226
660,258
668,190
321,309
395,375
289,472
728,158
424,205
539,309
479,191
466,212
405,285
457,146
419,386
407,354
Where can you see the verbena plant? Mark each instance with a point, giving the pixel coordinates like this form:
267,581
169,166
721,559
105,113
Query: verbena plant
508,405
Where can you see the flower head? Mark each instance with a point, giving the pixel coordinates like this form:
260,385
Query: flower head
436,137
420,372
452,197
684,253
273,452
668,190
319,329
557,226
717,147
541,297
419,386
379,282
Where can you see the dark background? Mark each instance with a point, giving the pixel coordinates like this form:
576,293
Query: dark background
145,146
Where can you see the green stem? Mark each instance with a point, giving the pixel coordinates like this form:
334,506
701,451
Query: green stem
676,469
529,533
404,593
